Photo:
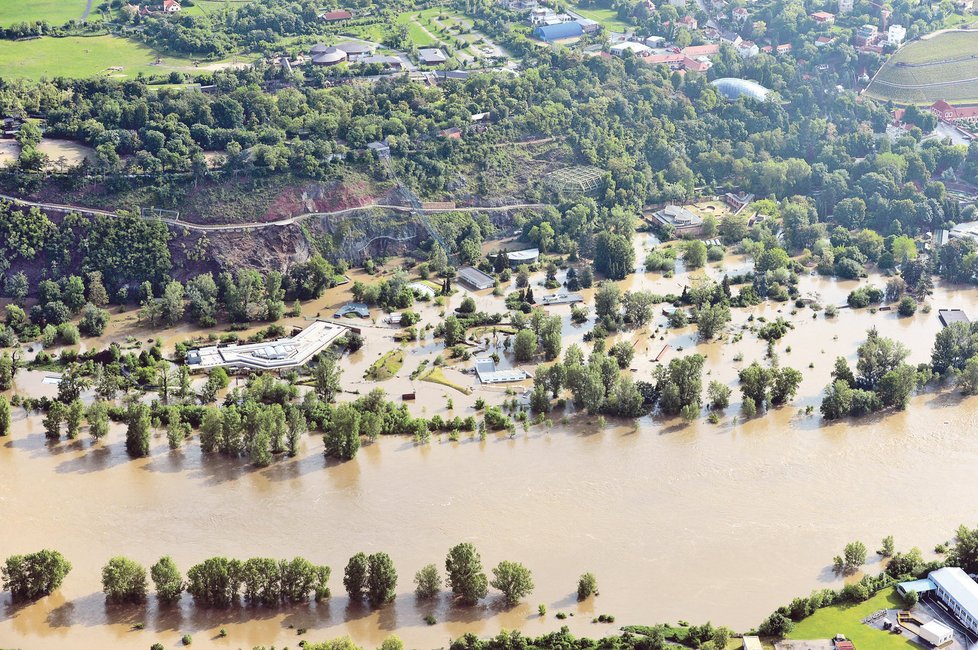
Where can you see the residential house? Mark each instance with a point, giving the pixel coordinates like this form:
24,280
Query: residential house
737,200
866,35
895,34
740,14
689,22
823,17
748,49
171,6
731,38
452,133
822,41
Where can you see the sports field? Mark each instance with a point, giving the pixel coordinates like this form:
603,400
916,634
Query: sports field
56,12
604,15
942,67
79,56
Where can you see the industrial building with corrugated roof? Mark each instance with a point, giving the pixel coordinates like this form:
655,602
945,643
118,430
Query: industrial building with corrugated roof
558,31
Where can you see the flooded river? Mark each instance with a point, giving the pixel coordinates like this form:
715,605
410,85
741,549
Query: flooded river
721,522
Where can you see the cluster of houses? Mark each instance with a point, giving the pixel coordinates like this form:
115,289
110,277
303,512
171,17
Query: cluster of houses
165,7
963,118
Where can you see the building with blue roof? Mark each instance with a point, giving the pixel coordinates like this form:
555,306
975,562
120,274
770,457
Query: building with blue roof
558,31
954,588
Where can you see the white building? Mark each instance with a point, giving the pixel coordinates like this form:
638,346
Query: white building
284,353
895,34
486,370
935,633
638,49
959,592
954,588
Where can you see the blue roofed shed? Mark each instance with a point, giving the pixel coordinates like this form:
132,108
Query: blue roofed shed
558,31
921,586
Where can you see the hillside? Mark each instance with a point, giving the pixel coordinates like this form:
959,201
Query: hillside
944,66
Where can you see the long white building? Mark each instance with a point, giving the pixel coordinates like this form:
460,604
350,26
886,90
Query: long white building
280,354
954,588
959,592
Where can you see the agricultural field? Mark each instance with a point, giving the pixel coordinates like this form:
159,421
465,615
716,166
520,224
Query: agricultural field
942,67
56,12
79,56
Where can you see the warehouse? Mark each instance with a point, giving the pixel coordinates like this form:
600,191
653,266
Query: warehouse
475,278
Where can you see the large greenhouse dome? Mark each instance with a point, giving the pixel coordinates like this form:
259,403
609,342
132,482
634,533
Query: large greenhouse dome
733,88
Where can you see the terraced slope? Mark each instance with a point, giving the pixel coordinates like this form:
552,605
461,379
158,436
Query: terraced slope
944,66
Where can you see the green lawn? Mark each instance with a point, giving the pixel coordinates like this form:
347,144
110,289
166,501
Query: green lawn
847,619
413,21
78,56
385,367
606,16
56,12
443,29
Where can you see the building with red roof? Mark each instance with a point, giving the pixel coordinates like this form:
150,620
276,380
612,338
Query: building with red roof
948,113
336,15
694,51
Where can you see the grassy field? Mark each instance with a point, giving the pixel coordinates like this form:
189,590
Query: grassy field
78,56
439,26
437,376
847,619
942,67
385,367
56,12
605,16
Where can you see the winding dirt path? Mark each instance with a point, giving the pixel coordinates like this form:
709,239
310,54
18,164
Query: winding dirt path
57,207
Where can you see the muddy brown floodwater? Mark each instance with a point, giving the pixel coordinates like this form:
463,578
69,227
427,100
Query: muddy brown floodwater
697,522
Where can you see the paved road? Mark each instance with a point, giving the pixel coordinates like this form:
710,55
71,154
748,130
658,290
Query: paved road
88,9
199,227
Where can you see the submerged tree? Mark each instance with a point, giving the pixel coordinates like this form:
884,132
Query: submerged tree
124,581
465,575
